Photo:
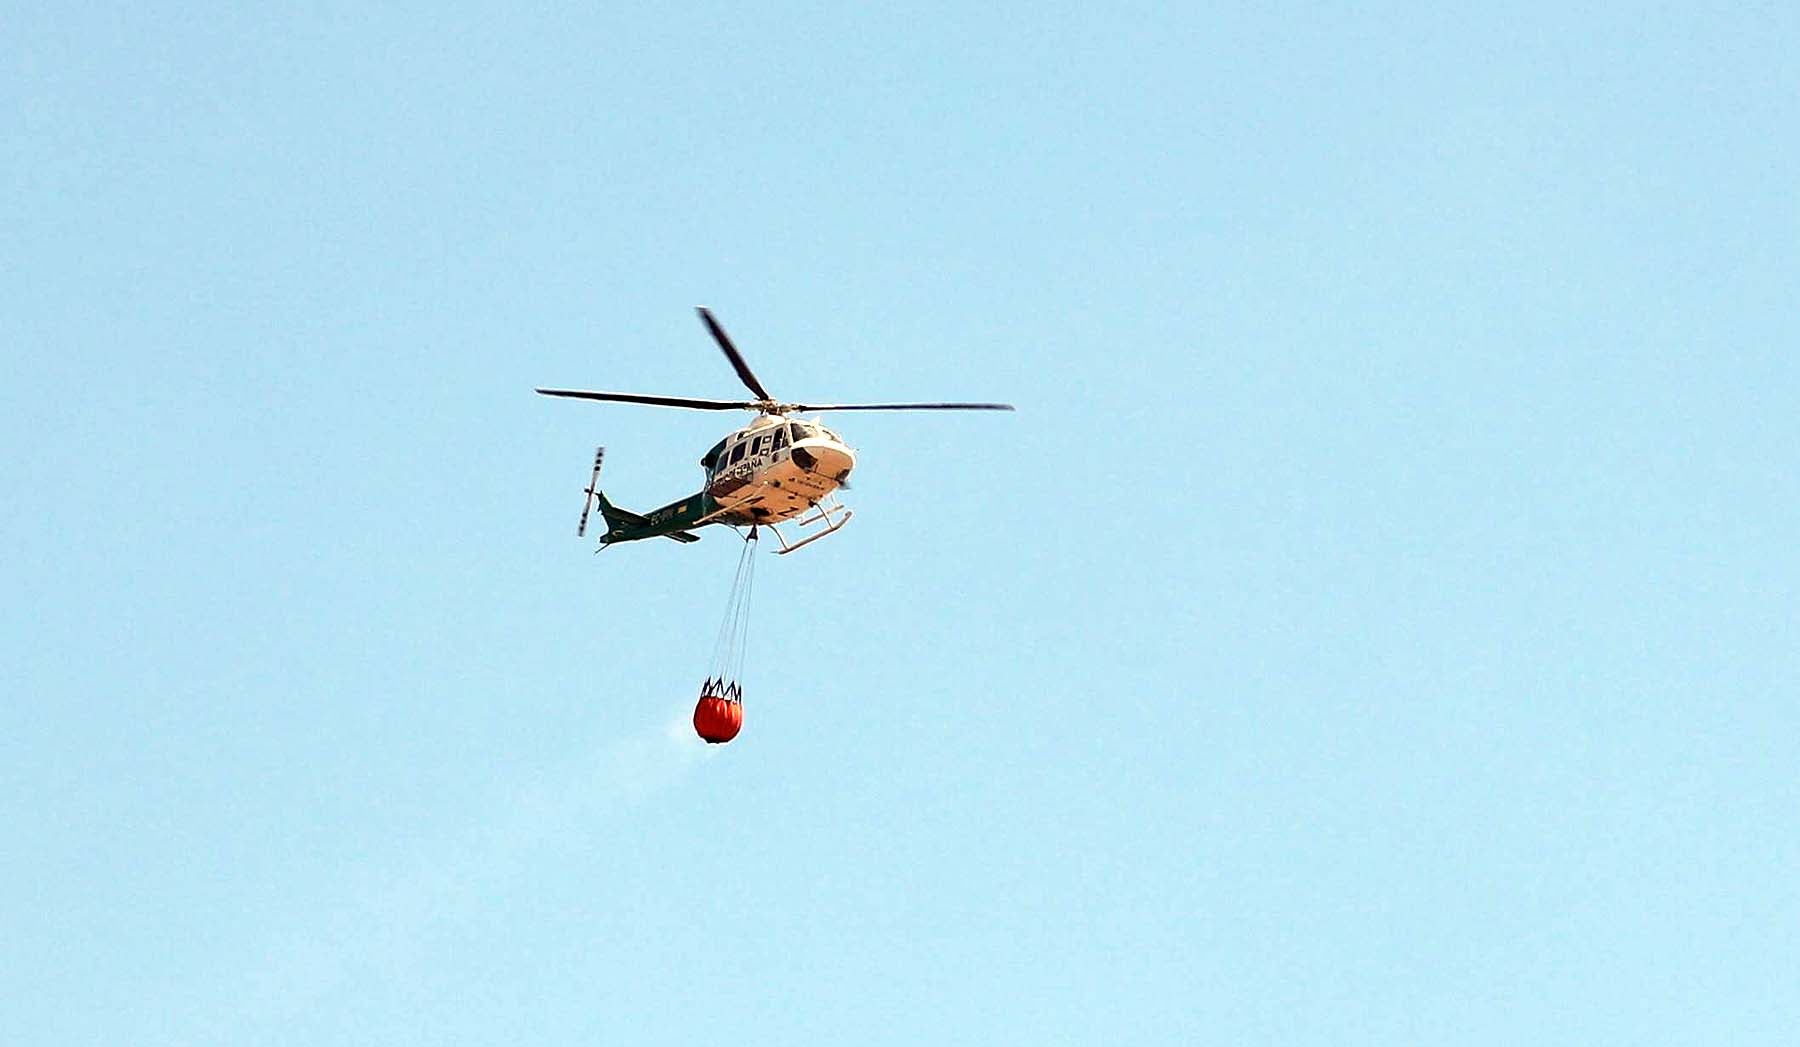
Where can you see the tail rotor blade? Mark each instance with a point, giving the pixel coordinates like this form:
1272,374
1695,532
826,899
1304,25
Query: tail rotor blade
593,486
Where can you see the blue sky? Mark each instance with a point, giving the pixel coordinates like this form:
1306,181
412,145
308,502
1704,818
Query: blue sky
1375,626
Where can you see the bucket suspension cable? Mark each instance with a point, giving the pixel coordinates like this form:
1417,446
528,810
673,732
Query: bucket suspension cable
726,668
742,644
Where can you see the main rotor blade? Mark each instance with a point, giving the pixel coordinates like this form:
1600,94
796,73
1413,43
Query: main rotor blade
898,407
744,373
657,401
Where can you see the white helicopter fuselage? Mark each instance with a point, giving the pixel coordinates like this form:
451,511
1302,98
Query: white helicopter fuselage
775,469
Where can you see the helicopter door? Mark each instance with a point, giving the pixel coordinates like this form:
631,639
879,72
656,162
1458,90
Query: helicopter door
722,484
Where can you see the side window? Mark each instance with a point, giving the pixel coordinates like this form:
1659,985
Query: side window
762,444
737,453
714,458
780,439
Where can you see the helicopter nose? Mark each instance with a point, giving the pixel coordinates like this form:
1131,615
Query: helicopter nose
833,460
836,461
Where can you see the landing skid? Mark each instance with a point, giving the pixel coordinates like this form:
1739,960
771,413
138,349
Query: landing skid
834,515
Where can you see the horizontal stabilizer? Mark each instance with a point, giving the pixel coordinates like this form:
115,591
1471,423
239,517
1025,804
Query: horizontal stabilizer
683,536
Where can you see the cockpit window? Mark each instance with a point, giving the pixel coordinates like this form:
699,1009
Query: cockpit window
712,456
799,434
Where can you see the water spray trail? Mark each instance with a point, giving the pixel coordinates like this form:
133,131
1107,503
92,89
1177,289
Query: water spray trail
379,930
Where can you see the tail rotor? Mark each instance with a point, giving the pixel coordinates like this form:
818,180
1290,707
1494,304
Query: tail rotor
593,491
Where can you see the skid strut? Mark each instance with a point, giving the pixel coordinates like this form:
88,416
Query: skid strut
829,514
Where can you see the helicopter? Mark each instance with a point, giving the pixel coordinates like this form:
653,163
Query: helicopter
773,470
